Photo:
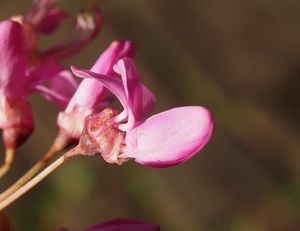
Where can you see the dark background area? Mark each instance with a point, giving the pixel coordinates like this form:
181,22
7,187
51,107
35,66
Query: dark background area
241,59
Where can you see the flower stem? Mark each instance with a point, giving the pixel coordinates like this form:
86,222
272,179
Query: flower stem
39,177
14,196
59,144
9,158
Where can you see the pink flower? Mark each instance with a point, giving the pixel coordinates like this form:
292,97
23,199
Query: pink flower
124,225
15,114
45,15
25,69
165,139
18,80
89,97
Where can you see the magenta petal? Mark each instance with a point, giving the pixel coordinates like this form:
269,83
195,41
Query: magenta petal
12,58
60,88
113,84
133,90
90,91
42,72
45,15
149,101
86,32
117,50
90,94
170,137
124,225
51,21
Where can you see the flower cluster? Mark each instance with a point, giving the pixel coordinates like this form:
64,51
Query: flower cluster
24,69
87,115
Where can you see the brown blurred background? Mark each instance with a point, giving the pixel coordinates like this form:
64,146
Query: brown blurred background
241,59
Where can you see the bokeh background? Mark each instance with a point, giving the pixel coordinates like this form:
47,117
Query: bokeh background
239,58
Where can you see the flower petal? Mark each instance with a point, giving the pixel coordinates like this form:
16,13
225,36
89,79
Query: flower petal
124,225
60,88
12,58
149,101
90,95
133,90
90,91
117,50
45,15
113,84
87,30
170,137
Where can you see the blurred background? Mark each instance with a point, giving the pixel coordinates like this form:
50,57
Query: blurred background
241,59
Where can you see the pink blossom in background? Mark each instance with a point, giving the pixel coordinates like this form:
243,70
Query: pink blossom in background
16,118
24,69
124,225
45,15
165,139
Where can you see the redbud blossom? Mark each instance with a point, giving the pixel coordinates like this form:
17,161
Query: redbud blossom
52,79
45,15
165,139
15,111
24,69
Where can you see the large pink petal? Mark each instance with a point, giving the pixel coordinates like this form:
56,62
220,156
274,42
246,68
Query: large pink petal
170,137
12,58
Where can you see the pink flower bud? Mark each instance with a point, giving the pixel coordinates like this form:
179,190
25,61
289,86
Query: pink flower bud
16,121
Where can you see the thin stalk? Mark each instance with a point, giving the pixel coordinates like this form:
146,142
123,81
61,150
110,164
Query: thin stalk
9,158
59,144
30,184
39,177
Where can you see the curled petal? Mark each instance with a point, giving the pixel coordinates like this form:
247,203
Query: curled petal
87,27
45,15
170,137
59,89
90,91
140,100
53,81
136,99
124,225
117,50
133,90
12,58
42,72
51,21
113,84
